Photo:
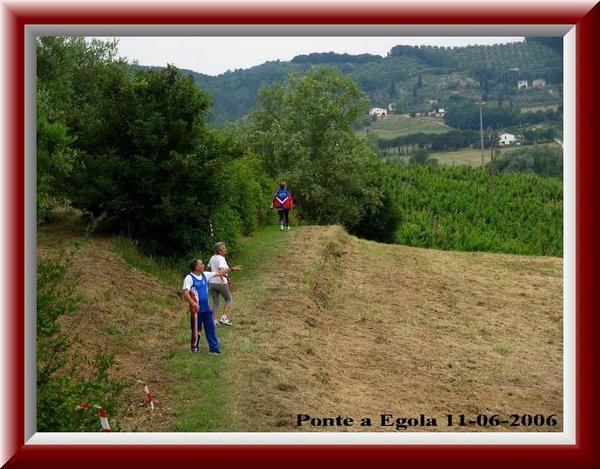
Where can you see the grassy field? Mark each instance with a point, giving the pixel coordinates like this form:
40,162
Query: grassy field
319,330
397,125
471,157
541,107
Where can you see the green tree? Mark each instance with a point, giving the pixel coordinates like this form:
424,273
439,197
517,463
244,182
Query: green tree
303,130
74,81
419,157
147,177
133,151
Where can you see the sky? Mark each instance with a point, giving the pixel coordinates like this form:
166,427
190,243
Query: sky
216,55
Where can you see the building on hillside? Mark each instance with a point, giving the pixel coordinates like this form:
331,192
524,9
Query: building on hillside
437,113
506,139
377,111
538,83
522,84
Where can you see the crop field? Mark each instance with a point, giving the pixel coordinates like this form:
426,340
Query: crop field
396,126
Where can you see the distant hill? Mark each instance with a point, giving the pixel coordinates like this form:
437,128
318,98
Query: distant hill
410,78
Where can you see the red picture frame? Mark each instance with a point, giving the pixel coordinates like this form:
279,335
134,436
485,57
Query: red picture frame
584,15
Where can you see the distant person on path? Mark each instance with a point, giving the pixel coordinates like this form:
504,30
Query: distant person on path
221,286
195,291
283,202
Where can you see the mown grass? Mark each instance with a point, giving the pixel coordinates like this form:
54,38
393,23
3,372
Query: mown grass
254,255
199,391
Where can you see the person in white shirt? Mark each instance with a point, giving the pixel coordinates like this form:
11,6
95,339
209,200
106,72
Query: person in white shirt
195,291
220,286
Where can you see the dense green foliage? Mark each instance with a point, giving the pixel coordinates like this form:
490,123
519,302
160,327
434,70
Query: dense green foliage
468,209
132,150
540,160
303,130
66,377
451,140
74,82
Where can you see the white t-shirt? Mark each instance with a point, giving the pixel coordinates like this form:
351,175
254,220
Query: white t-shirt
217,262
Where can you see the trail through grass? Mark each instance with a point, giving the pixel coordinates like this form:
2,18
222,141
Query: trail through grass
201,392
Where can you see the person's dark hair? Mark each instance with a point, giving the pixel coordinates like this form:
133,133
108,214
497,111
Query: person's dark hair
282,184
193,263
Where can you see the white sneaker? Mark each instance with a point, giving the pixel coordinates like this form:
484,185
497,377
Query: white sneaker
225,320
216,322
281,227
288,228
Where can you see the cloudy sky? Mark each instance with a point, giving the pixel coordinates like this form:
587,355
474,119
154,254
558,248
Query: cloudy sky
216,55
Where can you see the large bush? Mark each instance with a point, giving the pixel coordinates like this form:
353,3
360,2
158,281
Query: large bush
134,152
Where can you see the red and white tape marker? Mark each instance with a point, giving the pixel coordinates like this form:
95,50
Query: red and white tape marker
149,397
102,415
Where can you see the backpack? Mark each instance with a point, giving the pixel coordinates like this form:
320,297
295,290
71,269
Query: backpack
282,200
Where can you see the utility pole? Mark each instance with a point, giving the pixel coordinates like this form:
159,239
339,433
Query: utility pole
481,128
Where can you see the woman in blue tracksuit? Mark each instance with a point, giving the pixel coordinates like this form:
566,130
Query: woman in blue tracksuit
195,291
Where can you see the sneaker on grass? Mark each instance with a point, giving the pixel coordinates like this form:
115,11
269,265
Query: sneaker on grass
215,352
225,320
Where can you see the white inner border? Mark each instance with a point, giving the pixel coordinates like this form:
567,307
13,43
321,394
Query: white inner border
567,437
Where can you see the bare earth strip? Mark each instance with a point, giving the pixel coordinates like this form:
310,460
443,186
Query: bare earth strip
373,329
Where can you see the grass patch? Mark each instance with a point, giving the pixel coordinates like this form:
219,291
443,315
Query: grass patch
199,392
115,333
256,255
322,280
503,349
396,126
165,270
257,252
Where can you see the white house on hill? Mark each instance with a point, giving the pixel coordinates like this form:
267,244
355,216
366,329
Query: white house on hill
377,111
506,139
